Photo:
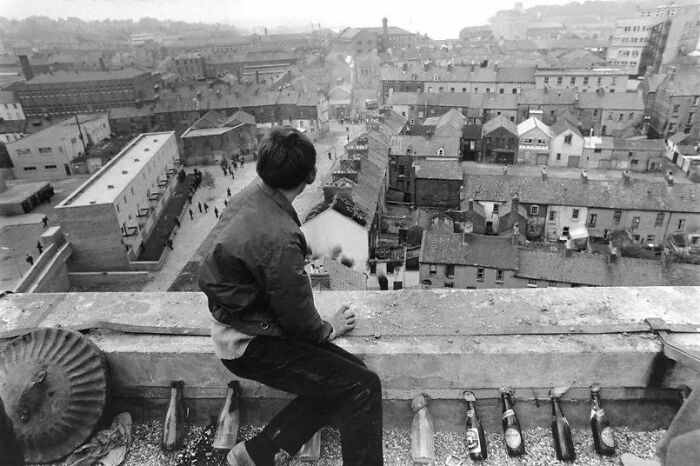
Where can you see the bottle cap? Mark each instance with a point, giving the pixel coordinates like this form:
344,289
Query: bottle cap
469,396
595,388
235,385
506,390
177,383
419,402
558,392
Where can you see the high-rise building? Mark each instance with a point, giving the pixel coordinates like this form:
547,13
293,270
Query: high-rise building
638,44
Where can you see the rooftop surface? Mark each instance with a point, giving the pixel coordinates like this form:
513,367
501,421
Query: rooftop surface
75,77
131,160
63,128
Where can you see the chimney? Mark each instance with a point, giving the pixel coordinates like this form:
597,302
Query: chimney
257,77
404,67
471,204
331,189
626,179
472,67
103,67
385,34
669,178
544,173
514,205
26,67
505,170
584,177
449,66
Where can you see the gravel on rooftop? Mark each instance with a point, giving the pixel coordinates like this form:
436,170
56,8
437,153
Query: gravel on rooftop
146,451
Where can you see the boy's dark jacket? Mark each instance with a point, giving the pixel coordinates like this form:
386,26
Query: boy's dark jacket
254,274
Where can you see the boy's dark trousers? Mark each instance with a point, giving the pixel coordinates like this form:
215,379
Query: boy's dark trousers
333,387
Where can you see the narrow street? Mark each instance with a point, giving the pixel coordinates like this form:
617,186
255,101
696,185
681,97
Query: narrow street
193,232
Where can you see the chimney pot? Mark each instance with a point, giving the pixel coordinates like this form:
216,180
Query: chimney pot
544,174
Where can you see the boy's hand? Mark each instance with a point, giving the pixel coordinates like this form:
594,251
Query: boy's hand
342,320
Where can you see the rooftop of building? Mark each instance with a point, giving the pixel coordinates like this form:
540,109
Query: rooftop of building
424,146
350,33
598,142
438,170
83,76
63,128
639,144
8,97
454,73
580,71
498,122
681,83
638,195
562,125
105,186
468,249
532,123
340,277
611,101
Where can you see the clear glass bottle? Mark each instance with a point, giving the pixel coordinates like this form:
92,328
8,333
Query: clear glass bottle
174,423
229,419
515,445
422,432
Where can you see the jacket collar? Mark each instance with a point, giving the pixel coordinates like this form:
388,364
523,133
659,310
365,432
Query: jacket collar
279,199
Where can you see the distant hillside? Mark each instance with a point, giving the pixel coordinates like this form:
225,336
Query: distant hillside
580,13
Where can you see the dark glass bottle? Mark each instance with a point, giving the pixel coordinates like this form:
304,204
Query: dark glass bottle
476,440
229,419
603,440
311,450
511,427
561,431
174,424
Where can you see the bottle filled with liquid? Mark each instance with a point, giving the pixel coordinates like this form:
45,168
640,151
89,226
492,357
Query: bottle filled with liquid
476,440
603,440
311,450
229,419
174,424
561,430
515,444
422,432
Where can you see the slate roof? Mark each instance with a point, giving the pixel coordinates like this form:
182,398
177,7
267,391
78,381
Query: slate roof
614,101
8,97
562,125
439,170
684,83
242,117
532,123
71,77
422,146
497,122
656,145
549,97
460,74
471,131
640,195
475,250
343,278
678,138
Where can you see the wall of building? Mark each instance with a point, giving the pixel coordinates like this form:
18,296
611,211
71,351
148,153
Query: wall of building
563,217
647,229
560,151
583,81
330,229
437,193
11,111
533,147
466,277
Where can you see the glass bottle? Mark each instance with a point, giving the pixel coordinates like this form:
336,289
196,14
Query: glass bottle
174,424
603,440
229,419
476,440
515,444
422,432
311,450
561,431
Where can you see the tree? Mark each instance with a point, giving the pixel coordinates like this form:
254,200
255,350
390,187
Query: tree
208,181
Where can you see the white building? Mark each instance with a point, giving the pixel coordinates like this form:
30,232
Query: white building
566,147
534,138
46,154
582,79
10,108
113,213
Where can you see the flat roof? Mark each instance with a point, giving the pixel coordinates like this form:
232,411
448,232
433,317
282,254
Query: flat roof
72,77
65,127
119,172
20,192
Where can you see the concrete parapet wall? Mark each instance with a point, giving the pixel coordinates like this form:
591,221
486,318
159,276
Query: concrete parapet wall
88,279
436,341
49,271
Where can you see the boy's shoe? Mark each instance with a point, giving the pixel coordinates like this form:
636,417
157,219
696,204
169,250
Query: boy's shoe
238,456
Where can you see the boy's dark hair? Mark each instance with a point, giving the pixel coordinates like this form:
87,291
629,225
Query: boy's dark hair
286,158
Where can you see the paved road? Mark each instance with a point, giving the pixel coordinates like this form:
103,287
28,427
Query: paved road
193,232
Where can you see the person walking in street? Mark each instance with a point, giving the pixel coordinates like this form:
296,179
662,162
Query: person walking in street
45,221
177,223
191,215
189,199
266,326
225,203
233,175
329,156
216,212
29,259
199,206
206,208
170,243
40,247
228,192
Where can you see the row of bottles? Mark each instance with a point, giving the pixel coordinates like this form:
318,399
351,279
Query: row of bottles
423,431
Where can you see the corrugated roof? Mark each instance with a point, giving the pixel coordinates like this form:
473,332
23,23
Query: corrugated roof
641,195
475,250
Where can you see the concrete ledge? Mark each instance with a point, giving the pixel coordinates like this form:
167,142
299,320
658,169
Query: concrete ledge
438,342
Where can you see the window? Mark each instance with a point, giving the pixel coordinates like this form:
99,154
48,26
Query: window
449,285
676,108
532,283
617,215
552,284
681,224
574,214
488,90
552,216
558,155
499,276
534,209
28,169
631,115
464,89
659,219
592,220
450,270
433,269
635,237
546,79
600,81
573,80
597,150
650,239
50,167
480,275
635,222
452,89
585,80
560,80
495,209
567,138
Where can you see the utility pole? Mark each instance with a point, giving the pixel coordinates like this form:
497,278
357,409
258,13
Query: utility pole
80,134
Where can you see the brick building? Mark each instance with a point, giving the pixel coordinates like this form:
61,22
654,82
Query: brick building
66,93
675,105
437,184
499,142
610,114
114,212
215,136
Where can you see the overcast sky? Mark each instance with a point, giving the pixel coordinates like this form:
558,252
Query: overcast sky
440,20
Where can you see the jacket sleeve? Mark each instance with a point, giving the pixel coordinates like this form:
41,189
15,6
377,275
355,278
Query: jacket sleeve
290,296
